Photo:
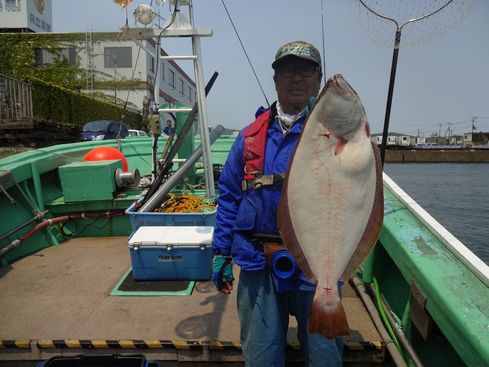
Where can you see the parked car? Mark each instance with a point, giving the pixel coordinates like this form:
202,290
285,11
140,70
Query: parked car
136,133
103,130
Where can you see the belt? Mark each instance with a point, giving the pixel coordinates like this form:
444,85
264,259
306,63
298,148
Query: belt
259,239
259,181
268,243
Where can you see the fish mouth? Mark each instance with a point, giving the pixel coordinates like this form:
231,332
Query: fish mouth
342,86
339,84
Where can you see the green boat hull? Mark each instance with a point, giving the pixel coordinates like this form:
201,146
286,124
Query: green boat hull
439,300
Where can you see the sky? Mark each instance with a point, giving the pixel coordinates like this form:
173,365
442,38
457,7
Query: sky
441,83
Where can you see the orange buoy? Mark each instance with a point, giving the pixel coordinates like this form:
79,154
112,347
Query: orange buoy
104,154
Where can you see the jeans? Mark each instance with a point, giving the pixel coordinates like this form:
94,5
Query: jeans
264,319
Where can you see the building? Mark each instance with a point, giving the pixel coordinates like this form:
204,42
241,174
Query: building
26,16
394,139
476,139
124,70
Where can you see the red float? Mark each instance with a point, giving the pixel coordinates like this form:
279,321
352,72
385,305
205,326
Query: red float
104,154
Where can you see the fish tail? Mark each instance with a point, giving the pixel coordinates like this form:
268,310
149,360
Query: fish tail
328,317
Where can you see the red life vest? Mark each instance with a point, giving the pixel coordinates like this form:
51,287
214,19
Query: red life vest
254,146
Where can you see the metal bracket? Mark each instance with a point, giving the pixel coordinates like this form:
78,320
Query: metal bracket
6,178
150,33
418,314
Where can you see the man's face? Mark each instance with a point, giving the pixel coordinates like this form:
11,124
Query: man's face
296,80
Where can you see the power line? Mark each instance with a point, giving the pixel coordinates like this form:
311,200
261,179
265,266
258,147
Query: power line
246,54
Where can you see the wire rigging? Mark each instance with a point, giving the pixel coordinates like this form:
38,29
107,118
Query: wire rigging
244,50
135,65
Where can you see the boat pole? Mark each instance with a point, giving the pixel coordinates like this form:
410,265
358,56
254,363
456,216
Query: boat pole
398,331
168,162
392,79
372,310
204,131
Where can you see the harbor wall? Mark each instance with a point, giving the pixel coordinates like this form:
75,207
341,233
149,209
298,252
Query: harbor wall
437,155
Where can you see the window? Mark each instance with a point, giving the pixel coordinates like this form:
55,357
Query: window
12,5
120,57
189,93
162,70
45,57
152,64
182,87
172,78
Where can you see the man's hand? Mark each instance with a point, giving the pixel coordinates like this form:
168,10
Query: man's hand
222,273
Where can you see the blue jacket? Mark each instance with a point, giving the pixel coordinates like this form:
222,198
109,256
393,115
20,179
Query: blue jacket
254,211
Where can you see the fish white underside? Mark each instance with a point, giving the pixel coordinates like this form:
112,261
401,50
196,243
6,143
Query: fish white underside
330,199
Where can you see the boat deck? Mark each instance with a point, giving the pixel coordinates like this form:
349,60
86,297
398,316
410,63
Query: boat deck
57,301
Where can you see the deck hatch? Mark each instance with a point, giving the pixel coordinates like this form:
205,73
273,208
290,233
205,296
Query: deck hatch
127,286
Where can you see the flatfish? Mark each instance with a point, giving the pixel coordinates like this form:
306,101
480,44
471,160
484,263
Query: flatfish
332,205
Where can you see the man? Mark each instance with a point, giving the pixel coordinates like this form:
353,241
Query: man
168,130
249,192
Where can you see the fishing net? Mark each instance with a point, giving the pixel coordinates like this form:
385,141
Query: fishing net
423,19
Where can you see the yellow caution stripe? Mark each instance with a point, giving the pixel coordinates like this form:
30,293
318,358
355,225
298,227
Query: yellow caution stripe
138,344
156,344
15,344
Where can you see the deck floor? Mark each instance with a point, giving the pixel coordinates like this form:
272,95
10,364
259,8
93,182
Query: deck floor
63,293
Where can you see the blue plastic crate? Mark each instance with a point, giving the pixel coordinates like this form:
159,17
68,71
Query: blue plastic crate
140,219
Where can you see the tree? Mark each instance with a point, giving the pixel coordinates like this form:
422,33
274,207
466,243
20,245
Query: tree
18,58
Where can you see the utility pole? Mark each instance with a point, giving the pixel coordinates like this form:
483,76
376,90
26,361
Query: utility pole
449,132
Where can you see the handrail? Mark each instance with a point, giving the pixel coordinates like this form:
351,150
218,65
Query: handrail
15,99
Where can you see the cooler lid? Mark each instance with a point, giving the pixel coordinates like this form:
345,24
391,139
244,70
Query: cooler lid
172,235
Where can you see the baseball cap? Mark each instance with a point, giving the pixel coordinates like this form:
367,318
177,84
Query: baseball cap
299,49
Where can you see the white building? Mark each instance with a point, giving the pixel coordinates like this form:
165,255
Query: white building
122,69
113,62
403,140
26,16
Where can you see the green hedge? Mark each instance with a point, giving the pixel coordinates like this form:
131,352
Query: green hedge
54,103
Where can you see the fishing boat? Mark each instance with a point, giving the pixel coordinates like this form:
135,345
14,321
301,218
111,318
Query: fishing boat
69,290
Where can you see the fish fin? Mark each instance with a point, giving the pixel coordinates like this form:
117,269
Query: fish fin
287,233
374,224
328,316
340,144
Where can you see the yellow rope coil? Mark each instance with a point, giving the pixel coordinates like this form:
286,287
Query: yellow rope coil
187,204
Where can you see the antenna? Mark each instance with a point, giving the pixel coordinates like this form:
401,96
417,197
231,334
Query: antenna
324,50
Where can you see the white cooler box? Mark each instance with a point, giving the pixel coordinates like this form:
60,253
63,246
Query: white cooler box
171,252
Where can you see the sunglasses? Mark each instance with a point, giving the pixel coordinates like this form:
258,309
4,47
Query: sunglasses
304,71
